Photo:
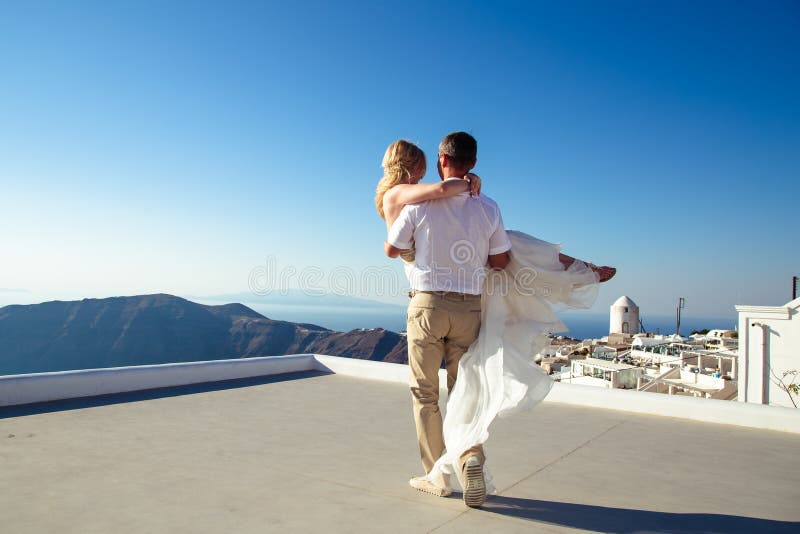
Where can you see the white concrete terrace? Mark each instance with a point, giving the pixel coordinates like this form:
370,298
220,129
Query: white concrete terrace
311,443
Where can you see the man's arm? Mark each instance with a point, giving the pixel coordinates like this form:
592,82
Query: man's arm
499,245
401,234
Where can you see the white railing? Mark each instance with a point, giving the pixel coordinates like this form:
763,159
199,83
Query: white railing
43,387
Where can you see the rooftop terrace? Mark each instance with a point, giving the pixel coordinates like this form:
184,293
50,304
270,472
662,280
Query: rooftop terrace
314,451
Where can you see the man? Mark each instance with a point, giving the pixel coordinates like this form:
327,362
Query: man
454,238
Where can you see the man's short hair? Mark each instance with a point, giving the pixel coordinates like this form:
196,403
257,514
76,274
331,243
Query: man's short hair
461,148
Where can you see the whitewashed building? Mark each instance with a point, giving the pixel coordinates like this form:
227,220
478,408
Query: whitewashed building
769,346
624,317
603,373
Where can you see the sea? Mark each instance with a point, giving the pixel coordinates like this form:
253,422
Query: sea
581,325
344,313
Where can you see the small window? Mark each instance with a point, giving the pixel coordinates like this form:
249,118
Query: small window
626,309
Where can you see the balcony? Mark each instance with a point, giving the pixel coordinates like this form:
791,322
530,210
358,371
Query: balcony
328,444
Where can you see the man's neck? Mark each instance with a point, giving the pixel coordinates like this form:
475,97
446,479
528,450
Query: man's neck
449,172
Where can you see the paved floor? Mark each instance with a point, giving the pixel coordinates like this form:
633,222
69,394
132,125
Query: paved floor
313,452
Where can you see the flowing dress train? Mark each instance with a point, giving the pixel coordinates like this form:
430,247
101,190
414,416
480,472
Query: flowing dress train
497,375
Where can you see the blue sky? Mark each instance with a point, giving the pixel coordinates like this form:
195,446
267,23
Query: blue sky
176,148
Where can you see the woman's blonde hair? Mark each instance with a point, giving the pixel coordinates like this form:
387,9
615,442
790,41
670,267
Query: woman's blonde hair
401,159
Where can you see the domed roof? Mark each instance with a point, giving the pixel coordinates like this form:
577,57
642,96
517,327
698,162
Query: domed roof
624,301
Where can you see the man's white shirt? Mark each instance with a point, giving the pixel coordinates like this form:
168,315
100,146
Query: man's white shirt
453,238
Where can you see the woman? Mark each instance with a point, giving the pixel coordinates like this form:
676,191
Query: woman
497,375
404,166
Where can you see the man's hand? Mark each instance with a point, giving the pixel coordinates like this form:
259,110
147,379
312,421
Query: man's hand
498,262
391,250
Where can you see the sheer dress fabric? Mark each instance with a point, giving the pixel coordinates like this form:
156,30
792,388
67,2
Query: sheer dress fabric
497,376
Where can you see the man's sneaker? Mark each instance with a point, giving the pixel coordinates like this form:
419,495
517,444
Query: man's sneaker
423,484
474,484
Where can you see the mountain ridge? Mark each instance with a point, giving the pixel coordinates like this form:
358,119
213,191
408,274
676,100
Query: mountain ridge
163,328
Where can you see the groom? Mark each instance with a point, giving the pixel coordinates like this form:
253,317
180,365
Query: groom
454,238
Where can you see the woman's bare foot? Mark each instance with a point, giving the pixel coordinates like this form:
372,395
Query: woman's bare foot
605,272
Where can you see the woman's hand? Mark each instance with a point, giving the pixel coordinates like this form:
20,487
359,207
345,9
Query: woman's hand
475,184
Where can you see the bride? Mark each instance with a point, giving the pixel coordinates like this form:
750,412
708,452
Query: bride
497,375
404,165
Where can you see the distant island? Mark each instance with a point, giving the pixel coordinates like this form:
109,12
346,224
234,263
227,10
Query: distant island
161,328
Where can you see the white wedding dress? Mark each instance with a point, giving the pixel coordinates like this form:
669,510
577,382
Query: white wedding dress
497,375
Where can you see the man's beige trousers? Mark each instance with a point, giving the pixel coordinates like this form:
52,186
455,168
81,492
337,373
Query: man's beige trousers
441,326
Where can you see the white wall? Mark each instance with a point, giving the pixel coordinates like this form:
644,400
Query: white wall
22,389
44,387
769,342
